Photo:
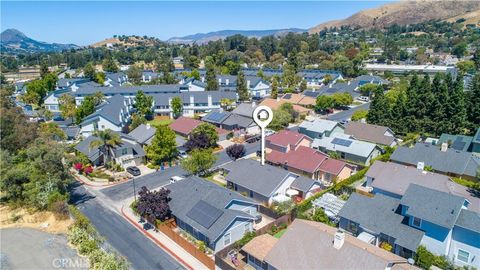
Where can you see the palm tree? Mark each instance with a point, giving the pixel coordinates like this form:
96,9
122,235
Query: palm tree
106,141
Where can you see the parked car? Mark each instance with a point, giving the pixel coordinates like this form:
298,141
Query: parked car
174,179
364,98
133,170
182,154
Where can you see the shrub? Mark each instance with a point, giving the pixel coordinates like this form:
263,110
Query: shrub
201,246
386,246
60,209
247,237
78,166
88,170
320,216
424,258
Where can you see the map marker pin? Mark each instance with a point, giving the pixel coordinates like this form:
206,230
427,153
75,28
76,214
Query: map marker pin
263,115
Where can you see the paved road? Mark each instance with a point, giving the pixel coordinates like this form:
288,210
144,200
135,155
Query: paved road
139,250
345,115
157,179
25,248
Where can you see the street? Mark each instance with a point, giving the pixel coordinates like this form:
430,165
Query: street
139,250
345,115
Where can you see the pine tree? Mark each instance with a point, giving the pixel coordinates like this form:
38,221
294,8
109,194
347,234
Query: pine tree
398,113
210,76
424,101
274,92
458,112
412,101
473,107
242,90
379,112
437,107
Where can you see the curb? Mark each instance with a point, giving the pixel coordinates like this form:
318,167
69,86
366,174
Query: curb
134,223
100,186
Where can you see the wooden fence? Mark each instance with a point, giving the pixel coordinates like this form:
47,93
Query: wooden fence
167,229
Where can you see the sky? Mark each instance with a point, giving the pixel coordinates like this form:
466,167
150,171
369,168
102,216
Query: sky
87,22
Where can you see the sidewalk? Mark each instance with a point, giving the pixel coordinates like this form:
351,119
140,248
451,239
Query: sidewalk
163,241
91,183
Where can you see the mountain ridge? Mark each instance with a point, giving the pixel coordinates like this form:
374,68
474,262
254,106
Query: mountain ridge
14,41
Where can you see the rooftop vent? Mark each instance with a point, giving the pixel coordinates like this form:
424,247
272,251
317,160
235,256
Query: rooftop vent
339,239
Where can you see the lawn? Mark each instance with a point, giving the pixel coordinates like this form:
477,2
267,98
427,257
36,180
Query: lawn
160,121
280,233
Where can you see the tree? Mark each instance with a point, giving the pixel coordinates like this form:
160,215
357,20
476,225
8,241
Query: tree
177,107
473,100
153,205
197,141
424,258
303,86
194,74
281,119
226,103
199,161
359,115
274,92
100,78
342,100
466,66
51,131
85,109
327,79
242,90
456,112
144,104
89,71
210,75
324,103
236,151
106,141
137,120
36,91
209,131
163,147
367,89
109,65
134,74
68,106
379,109
43,70
290,78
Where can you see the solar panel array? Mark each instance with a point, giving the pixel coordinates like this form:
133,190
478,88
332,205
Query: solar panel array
458,144
204,213
287,96
342,142
215,116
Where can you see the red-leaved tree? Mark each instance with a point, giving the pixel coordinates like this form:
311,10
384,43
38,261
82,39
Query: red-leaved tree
88,170
78,166
236,151
153,205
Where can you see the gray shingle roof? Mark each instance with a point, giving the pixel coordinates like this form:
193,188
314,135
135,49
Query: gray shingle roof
469,220
199,97
450,161
369,133
302,183
245,109
109,109
129,90
187,193
252,175
238,121
143,133
379,215
434,206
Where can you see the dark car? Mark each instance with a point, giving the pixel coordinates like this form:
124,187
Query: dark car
134,171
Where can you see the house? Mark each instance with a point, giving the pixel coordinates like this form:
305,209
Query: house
257,87
211,213
275,104
401,69
299,99
143,134
113,79
347,148
457,142
267,184
379,135
286,140
441,159
393,180
314,245
440,221
114,114
183,126
195,85
240,119
476,142
311,163
319,128
350,87
128,153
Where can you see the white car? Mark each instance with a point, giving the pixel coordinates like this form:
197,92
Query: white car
174,179
364,98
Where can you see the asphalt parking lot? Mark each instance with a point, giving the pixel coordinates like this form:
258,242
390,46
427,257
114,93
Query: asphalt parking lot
24,248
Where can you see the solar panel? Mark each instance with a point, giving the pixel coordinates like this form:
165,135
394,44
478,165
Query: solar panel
287,96
342,142
216,116
204,213
458,145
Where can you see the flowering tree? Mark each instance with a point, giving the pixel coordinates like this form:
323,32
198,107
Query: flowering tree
88,170
235,151
78,166
153,205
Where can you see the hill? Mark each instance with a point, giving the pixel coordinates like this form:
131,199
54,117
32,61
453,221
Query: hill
402,13
14,41
472,18
202,38
127,41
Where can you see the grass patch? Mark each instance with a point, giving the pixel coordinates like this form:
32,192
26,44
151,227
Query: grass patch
467,183
280,233
210,178
160,122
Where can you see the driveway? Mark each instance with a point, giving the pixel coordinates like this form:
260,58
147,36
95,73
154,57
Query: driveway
25,248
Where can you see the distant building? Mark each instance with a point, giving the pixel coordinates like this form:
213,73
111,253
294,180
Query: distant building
400,69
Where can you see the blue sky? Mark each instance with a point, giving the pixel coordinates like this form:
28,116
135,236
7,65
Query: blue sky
85,22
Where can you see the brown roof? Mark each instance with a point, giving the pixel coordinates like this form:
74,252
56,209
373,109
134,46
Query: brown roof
260,246
303,158
275,104
184,125
313,243
332,166
368,132
299,99
286,137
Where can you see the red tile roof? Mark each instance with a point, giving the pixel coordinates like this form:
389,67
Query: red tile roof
304,158
332,166
184,125
285,138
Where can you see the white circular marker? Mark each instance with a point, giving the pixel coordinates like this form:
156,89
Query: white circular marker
262,115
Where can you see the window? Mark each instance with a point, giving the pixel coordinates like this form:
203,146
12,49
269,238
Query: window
227,239
251,194
124,151
463,255
417,222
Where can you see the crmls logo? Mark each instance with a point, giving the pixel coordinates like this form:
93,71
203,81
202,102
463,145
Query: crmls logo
64,263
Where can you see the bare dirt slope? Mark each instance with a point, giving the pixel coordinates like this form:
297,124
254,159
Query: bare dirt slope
404,12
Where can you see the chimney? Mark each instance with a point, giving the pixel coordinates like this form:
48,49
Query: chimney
227,81
330,86
148,126
143,77
203,79
220,81
338,239
248,83
209,100
348,83
254,104
444,147
421,165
